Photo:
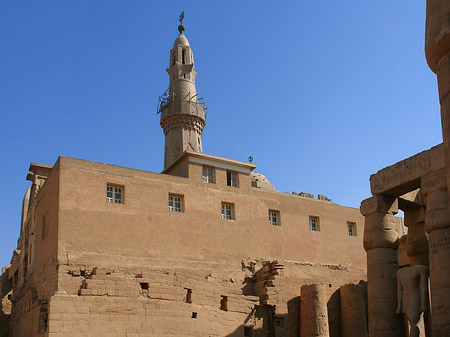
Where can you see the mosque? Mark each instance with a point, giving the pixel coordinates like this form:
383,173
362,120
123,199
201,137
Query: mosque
207,247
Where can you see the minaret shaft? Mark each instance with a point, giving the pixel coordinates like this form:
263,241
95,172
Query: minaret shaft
182,112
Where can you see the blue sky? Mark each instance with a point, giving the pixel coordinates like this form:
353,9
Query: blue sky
321,93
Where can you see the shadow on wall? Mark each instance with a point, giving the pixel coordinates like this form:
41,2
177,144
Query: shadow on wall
294,314
334,314
270,327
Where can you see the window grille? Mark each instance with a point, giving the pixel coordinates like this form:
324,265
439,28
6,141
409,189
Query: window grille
114,194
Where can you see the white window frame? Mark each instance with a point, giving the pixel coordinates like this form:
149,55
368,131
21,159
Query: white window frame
208,174
227,211
175,203
314,223
351,228
114,194
274,218
232,181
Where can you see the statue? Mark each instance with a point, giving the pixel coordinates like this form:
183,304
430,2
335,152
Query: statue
412,295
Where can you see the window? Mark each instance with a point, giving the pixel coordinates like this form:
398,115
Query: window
232,179
274,218
44,226
208,175
114,194
227,211
188,295
224,303
314,223
351,228
175,203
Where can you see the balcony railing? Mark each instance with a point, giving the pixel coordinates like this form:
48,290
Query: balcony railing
167,99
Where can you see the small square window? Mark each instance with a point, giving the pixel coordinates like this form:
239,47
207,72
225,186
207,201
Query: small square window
274,218
208,175
227,211
351,228
232,179
114,194
175,203
314,223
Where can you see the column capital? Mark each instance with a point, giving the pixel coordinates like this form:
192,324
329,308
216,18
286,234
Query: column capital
379,204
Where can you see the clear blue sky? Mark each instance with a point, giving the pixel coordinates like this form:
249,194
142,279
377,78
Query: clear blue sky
321,93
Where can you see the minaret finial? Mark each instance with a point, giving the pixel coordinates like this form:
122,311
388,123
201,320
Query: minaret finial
181,27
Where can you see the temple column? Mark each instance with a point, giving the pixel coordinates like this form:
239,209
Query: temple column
354,310
417,250
437,51
437,225
417,239
381,236
313,311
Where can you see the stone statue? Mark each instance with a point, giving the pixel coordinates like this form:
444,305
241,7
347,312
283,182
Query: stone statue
412,295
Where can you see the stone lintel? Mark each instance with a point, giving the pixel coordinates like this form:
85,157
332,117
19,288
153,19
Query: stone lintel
411,200
404,176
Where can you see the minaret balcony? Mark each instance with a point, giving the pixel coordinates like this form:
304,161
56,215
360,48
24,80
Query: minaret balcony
169,106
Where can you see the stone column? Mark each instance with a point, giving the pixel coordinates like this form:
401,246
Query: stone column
354,310
437,51
417,239
313,311
381,236
417,250
437,225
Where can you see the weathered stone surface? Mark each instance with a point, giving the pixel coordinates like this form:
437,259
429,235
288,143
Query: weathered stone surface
412,288
313,311
354,310
382,297
401,177
380,204
433,181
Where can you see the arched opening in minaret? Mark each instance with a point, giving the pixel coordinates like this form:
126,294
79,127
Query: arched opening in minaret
173,58
183,56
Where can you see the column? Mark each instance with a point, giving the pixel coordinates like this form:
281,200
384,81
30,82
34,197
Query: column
313,311
437,51
417,250
417,240
437,225
381,237
353,310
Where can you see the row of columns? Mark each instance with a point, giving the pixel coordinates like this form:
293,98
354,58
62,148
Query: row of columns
314,311
428,243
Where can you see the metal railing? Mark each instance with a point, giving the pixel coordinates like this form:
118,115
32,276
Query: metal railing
166,99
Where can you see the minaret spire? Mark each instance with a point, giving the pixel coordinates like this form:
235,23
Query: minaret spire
182,112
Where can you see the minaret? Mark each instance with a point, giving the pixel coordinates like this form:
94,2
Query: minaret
182,112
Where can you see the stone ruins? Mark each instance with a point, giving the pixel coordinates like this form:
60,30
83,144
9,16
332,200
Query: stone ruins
208,247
